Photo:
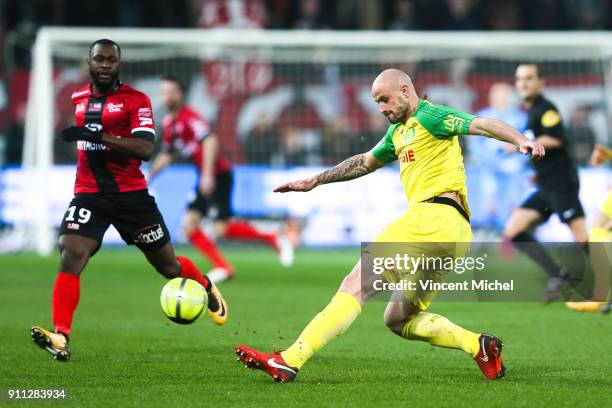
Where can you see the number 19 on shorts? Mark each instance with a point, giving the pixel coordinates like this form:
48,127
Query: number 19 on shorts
82,215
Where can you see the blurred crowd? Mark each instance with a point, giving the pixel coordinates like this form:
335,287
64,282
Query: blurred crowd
301,135
313,14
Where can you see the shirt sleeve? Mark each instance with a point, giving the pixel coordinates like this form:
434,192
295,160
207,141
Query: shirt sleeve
385,149
141,118
550,123
443,122
199,127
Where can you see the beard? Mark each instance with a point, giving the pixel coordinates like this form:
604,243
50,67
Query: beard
400,116
104,85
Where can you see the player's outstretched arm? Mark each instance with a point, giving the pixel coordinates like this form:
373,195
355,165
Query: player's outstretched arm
502,131
351,168
159,163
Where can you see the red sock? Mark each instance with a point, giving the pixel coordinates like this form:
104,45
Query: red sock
190,271
65,300
244,231
208,248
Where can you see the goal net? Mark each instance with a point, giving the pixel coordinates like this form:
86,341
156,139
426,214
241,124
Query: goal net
285,102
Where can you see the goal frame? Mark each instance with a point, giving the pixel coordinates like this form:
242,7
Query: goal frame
38,143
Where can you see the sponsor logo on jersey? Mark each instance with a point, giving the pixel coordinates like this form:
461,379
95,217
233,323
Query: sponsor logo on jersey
114,107
407,156
148,235
407,134
80,108
453,123
145,117
95,107
73,226
90,147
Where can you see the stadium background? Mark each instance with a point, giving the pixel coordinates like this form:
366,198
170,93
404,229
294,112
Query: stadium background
279,120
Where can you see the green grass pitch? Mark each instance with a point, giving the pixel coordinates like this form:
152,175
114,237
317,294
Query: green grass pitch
126,353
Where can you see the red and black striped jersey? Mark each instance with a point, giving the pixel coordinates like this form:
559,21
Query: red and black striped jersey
123,113
183,134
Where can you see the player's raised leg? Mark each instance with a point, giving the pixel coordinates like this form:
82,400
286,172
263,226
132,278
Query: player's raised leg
241,230
411,322
171,266
75,251
331,322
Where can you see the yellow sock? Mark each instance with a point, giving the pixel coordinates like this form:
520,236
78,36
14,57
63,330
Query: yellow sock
439,331
327,325
599,243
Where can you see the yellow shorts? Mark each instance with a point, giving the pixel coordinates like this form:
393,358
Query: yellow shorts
606,208
425,230
427,222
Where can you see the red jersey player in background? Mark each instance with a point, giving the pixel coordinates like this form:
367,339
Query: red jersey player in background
187,134
114,132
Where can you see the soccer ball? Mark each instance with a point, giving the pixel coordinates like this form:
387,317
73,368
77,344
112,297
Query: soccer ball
183,300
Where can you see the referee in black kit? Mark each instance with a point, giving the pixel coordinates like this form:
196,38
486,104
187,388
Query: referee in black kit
557,181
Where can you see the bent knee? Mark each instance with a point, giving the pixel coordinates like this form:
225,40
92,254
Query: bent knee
395,320
191,222
73,258
189,228
521,220
397,315
220,227
511,230
508,234
394,324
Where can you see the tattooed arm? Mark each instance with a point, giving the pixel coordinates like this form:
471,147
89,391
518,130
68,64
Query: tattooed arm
351,168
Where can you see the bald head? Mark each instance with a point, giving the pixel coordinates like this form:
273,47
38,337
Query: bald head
393,78
395,95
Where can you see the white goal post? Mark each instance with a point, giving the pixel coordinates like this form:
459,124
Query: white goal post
297,47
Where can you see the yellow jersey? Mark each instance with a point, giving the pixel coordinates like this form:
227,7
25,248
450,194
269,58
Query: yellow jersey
428,150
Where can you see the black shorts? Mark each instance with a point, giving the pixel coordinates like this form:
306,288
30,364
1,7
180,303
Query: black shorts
221,197
562,201
134,214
